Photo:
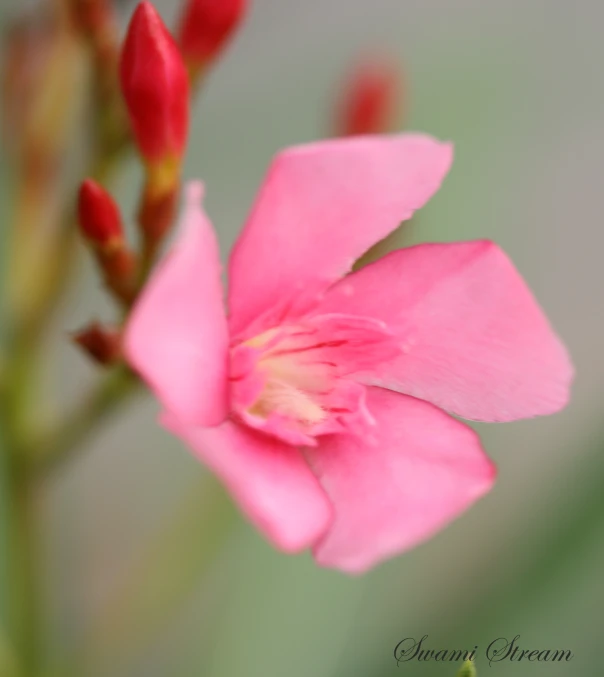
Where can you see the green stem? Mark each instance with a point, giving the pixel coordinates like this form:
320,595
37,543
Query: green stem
58,445
24,574
23,457
20,545
8,660
61,262
20,506
28,460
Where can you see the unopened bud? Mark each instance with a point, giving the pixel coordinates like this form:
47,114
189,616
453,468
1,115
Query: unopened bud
155,86
370,100
98,215
99,343
101,224
205,28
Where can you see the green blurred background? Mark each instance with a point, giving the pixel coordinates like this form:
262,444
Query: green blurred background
518,86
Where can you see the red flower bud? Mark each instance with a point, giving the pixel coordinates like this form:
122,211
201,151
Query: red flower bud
155,86
205,27
100,343
98,214
101,224
369,101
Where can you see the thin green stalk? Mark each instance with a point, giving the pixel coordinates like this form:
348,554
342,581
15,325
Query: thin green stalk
26,325
20,594
60,264
26,461
20,507
8,661
24,575
56,446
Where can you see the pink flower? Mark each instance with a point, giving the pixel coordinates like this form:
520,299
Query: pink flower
320,401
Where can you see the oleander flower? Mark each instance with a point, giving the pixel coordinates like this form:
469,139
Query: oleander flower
323,400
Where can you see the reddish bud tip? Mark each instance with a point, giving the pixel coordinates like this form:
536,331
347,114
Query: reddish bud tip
155,86
100,343
98,214
205,27
370,100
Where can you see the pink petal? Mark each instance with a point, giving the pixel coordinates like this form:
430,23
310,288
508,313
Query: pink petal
270,480
321,207
474,340
418,471
177,337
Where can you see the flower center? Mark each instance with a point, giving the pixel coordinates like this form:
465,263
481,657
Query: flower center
298,381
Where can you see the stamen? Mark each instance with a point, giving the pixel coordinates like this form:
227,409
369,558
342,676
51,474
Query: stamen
297,381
